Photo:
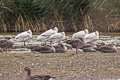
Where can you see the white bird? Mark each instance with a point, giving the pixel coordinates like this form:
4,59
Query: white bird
24,36
47,34
80,34
58,36
92,36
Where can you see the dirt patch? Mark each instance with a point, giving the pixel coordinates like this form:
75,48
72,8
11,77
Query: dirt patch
65,66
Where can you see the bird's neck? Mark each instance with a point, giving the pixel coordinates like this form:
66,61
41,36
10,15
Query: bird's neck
28,73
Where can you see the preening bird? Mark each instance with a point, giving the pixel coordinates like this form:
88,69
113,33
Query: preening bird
47,34
92,36
24,36
6,43
36,77
80,34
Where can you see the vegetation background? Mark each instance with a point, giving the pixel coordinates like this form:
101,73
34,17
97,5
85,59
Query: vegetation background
67,15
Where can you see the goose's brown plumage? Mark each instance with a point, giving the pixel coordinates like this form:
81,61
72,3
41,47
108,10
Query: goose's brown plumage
36,77
5,44
77,43
60,48
108,49
43,49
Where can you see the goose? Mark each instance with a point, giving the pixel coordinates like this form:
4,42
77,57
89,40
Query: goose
60,48
24,36
76,43
47,34
108,48
89,47
57,36
43,49
36,77
99,45
80,34
6,43
92,36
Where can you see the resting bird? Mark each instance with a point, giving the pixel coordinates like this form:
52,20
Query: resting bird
58,36
92,36
36,77
60,48
108,48
80,34
76,43
43,49
47,34
24,36
5,44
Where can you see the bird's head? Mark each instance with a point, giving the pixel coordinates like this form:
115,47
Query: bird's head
86,31
29,31
97,33
55,29
63,33
25,69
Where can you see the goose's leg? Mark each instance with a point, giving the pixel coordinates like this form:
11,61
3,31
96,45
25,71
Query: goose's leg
77,48
6,50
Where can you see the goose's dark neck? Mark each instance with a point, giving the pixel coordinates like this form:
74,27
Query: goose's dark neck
28,72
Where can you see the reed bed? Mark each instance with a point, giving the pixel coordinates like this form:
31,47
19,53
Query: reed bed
67,15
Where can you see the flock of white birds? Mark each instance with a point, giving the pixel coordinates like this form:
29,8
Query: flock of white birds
53,34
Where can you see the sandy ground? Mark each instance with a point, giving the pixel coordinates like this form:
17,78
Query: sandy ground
65,66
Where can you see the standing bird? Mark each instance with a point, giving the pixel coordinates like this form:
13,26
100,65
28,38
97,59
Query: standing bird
92,36
6,43
24,36
47,34
80,34
36,77
58,36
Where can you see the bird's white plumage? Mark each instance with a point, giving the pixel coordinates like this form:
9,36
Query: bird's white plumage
60,35
24,35
92,36
47,34
80,34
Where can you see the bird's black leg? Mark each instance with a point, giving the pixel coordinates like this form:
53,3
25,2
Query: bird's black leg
24,43
50,42
77,48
